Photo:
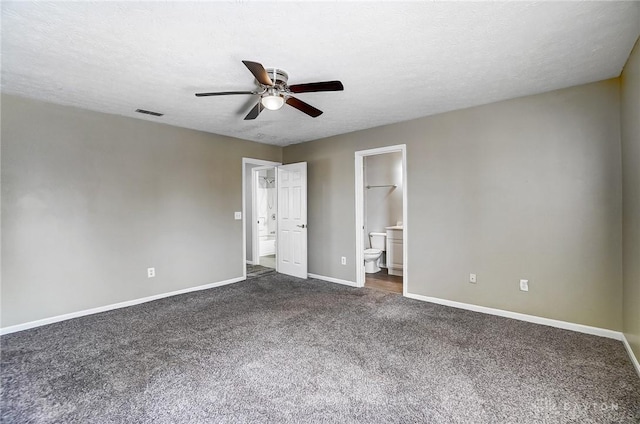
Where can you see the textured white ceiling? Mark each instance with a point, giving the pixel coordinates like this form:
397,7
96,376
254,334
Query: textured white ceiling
397,61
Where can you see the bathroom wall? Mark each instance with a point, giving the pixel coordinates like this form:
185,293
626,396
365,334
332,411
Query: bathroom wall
272,202
91,200
524,188
267,202
383,205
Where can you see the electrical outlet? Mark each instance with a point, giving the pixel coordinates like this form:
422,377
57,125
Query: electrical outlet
524,285
472,278
151,272
343,260
237,215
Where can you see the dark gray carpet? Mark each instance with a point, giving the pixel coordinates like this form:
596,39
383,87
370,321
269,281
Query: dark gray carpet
281,350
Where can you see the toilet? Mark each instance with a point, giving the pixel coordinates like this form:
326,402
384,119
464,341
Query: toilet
372,255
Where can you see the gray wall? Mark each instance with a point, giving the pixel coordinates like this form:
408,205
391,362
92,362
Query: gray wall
90,200
525,188
630,83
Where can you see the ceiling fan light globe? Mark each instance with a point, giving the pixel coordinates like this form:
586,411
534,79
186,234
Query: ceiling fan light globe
272,102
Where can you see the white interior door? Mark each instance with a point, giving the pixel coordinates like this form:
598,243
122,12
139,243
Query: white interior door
292,219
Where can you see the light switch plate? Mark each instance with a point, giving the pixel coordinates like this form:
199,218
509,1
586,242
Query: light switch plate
524,285
237,215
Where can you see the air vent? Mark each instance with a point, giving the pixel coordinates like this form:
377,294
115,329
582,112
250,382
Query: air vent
148,112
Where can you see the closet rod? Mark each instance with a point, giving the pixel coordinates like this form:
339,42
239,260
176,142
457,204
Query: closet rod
388,185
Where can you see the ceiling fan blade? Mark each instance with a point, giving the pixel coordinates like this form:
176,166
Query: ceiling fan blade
304,107
259,72
253,113
317,86
224,93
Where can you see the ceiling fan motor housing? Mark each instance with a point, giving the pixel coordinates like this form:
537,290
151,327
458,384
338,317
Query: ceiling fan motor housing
278,76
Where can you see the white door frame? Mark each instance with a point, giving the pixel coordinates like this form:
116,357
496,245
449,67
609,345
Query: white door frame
359,156
245,162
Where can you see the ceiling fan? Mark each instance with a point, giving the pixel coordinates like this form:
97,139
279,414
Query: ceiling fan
274,91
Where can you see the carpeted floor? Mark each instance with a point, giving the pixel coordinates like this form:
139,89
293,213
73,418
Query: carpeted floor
277,349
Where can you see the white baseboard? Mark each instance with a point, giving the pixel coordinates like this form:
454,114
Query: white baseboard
51,320
634,360
580,328
249,262
333,280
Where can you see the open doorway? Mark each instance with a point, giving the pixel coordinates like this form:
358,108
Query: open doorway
252,265
381,219
290,198
265,216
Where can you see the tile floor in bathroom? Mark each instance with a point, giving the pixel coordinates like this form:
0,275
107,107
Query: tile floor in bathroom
268,261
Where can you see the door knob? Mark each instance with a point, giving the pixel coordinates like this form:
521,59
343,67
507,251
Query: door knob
302,226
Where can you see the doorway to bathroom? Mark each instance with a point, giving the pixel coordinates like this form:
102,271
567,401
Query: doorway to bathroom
264,214
258,193
381,219
274,218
